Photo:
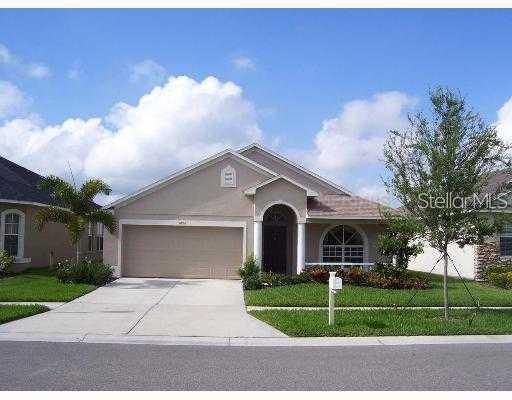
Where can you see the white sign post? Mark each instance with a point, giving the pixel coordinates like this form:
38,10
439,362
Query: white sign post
335,284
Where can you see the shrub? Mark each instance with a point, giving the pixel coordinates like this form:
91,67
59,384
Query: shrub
250,274
86,271
6,261
498,269
317,274
359,277
502,280
271,279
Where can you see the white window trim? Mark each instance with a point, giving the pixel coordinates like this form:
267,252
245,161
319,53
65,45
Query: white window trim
353,226
506,235
223,181
21,233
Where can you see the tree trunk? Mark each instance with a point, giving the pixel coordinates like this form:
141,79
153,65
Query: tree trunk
77,252
445,283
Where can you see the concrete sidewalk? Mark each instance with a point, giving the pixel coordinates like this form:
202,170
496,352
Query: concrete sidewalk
50,304
151,307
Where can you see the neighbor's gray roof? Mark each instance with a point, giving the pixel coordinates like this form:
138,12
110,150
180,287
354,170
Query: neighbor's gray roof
343,206
20,184
497,180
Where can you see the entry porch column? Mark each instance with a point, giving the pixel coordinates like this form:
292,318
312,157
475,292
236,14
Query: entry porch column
301,246
257,232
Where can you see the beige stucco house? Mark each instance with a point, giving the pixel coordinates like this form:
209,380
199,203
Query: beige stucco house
203,221
20,199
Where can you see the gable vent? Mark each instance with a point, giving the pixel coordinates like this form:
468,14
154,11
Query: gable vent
228,177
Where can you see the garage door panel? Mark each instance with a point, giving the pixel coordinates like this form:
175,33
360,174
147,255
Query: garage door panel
182,252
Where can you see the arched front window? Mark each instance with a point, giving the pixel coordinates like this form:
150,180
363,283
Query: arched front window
343,244
13,223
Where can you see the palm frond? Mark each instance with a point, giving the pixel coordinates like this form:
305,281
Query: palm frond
61,190
52,214
104,217
93,187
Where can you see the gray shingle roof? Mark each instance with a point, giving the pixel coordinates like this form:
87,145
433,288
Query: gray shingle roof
20,184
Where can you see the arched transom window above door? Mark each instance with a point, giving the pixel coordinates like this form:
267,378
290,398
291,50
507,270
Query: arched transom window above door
343,244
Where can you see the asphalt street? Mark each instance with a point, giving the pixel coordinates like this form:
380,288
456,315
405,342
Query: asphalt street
87,366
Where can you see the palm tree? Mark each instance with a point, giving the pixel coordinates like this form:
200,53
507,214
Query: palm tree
76,207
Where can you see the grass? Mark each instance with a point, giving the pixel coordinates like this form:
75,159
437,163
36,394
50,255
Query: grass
39,284
315,294
388,322
16,311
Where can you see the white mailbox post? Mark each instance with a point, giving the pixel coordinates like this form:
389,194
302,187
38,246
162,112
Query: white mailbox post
335,284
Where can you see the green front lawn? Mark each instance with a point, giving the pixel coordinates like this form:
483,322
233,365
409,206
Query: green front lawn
315,294
16,311
39,284
388,322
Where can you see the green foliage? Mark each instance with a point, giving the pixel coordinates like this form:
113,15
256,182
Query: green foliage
86,271
400,239
450,155
6,261
500,279
359,277
77,207
250,274
270,279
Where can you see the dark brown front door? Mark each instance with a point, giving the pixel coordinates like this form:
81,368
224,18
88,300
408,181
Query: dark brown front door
274,249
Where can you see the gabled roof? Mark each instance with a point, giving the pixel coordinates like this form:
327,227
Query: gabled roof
252,190
20,185
299,168
188,171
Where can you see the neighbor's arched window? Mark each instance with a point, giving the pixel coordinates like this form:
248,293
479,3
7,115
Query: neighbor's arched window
343,244
13,230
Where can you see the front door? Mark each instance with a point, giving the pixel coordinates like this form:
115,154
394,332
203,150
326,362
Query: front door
274,249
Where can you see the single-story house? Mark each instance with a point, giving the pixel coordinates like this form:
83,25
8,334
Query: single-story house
20,198
205,220
472,260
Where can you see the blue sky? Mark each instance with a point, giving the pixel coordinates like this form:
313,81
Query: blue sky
296,69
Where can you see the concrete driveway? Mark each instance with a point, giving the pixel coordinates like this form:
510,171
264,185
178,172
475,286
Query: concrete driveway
152,307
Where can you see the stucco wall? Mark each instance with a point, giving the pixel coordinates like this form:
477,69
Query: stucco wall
464,259
280,192
198,196
38,244
281,168
314,232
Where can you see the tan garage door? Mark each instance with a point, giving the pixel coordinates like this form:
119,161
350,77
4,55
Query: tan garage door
181,252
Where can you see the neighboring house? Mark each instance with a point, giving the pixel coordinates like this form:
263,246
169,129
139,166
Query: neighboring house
20,198
472,261
203,221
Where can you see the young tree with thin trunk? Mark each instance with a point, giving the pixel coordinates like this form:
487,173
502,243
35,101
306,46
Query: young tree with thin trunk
439,166
77,208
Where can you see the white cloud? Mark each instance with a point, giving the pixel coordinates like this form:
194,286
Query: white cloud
354,138
170,127
375,192
37,70
31,69
243,62
12,100
147,72
504,123
75,71
5,55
